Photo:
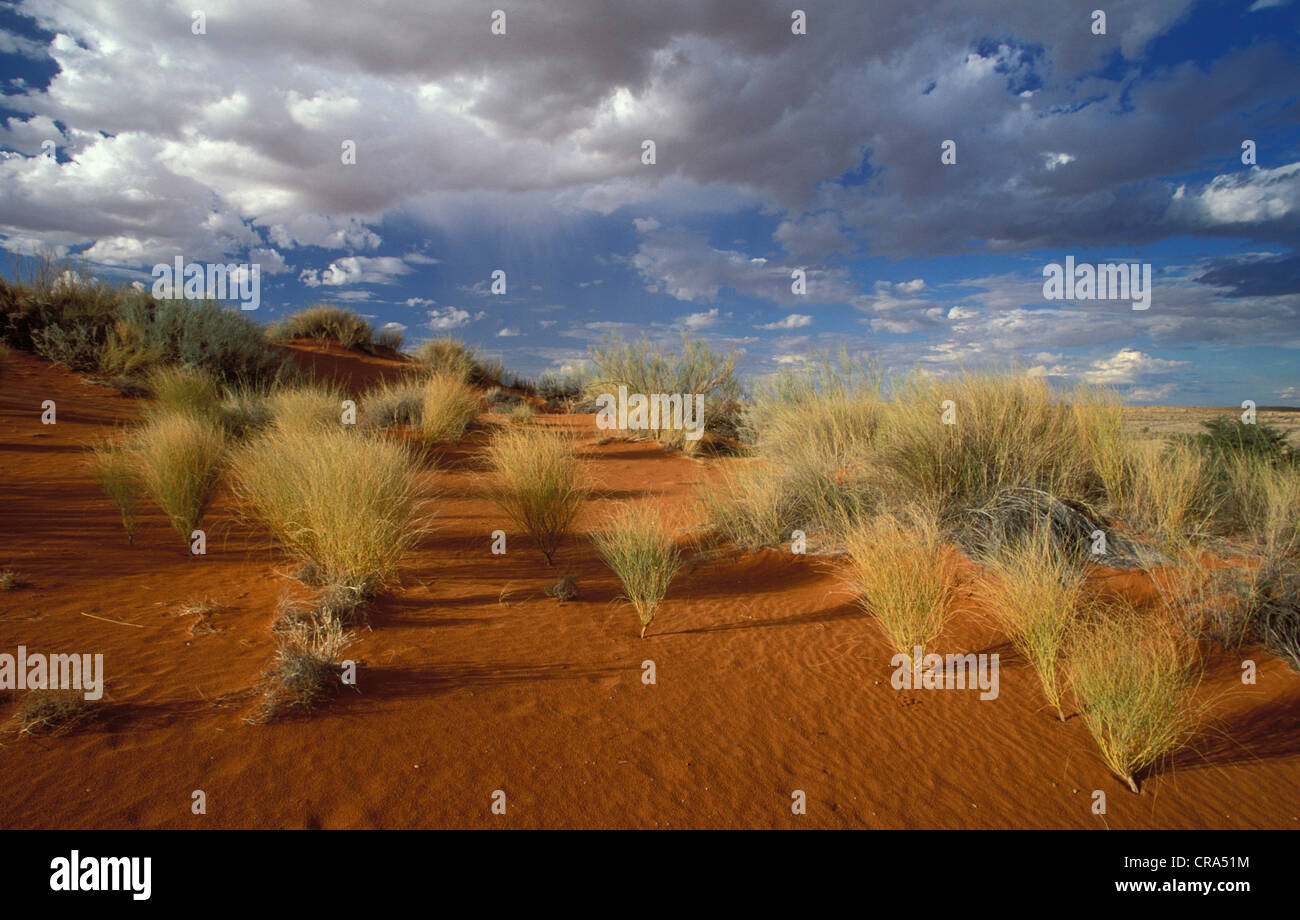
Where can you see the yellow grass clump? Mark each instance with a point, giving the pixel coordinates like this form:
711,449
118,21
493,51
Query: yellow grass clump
1034,594
903,575
343,500
1168,492
538,483
116,471
312,407
180,458
186,390
1007,431
449,405
1133,682
638,545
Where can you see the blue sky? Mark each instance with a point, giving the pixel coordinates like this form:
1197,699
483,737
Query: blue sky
774,152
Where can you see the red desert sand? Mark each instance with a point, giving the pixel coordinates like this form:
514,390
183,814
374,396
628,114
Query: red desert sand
770,679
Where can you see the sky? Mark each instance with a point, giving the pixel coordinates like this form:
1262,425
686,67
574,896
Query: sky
783,144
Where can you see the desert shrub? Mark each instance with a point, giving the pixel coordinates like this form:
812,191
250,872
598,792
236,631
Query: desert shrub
344,604
393,403
180,459
639,547
341,604
115,468
76,347
902,575
1133,683
1034,592
60,311
346,501
1009,432
449,405
307,669
204,335
563,387
325,322
648,370
52,711
1227,436
538,483
497,397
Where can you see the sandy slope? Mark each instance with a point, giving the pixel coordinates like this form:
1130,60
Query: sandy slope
769,680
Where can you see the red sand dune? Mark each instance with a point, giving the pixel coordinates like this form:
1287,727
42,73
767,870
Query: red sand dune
769,679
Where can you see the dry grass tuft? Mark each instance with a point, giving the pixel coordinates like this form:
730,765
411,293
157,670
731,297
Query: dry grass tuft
307,670
179,458
1034,592
538,483
449,405
638,545
53,712
903,576
1133,682
115,469
346,501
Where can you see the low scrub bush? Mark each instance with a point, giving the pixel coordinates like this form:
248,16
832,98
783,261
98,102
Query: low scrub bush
52,712
324,323
649,370
564,387
1227,436
204,335
307,671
